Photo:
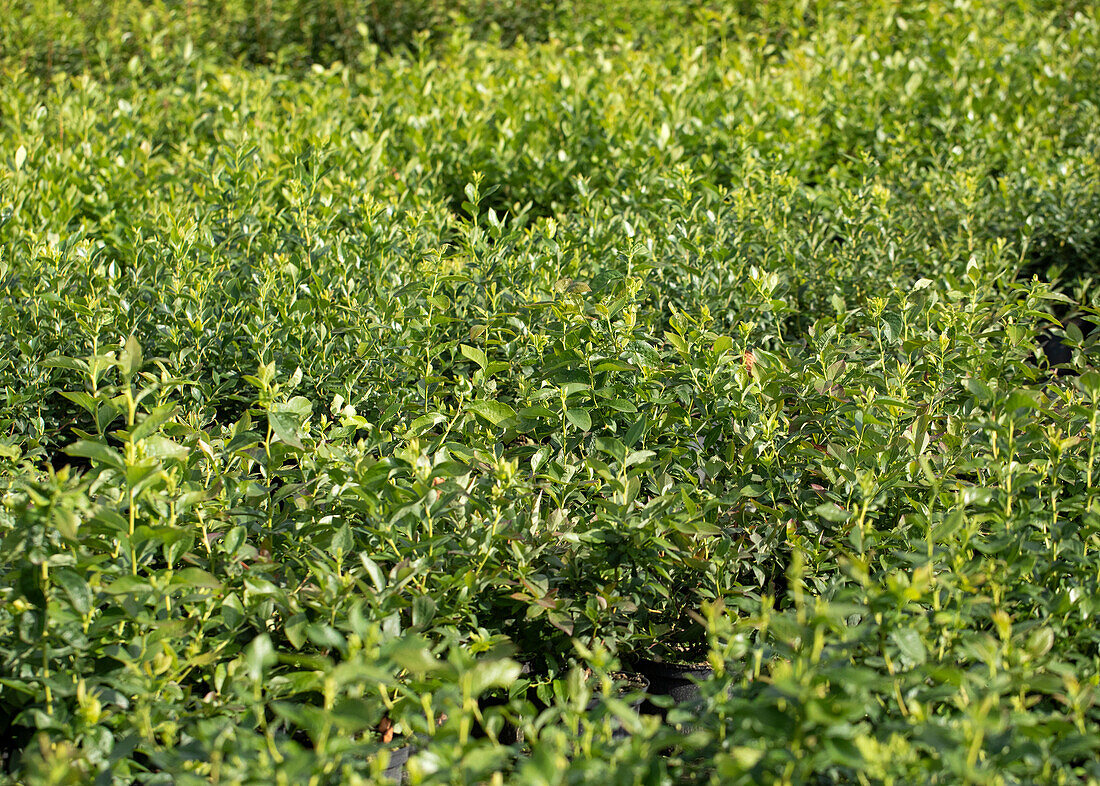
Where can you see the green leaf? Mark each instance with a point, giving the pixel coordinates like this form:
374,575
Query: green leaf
474,354
1040,642
622,405
535,412
830,511
196,577
637,457
153,421
412,653
636,430
425,422
164,448
1022,399
423,610
343,541
911,646
979,389
130,360
1090,382
128,585
496,412
259,656
612,447
579,418
75,587
285,424
493,674
375,573
60,361
83,400
891,326
355,714
97,451
948,527
143,470
232,611
295,630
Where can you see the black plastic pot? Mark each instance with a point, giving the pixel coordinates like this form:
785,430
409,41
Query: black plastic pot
678,681
395,769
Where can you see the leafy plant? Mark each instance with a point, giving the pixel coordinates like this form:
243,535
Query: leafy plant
383,379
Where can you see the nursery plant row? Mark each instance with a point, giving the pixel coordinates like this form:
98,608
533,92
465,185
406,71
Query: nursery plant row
674,393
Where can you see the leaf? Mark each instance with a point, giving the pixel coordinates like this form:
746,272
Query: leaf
495,412
425,422
611,446
979,389
83,400
1040,642
130,360
634,433
579,418
196,577
295,630
493,674
375,573
356,714
96,451
537,411
1022,399
412,654
911,646
948,527
892,326
285,425
259,656
75,587
20,157
111,519
695,527
343,542
60,361
638,456
1090,382
232,611
162,447
474,354
830,511
234,539
423,610
152,422
622,405
571,286
127,585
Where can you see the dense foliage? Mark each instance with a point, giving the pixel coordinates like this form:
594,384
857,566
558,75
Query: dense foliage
377,373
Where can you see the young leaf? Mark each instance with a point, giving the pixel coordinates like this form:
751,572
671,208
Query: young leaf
579,418
97,451
496,412
474,354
